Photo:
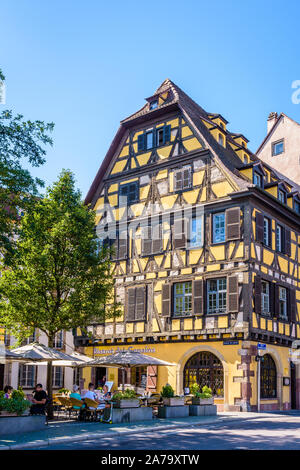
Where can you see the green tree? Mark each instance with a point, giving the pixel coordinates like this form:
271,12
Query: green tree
59,278
21,143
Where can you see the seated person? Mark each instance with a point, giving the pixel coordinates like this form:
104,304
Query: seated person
8,391
39,401
106,396
76,394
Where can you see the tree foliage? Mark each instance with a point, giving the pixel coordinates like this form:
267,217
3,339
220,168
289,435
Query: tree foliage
21,143
59,279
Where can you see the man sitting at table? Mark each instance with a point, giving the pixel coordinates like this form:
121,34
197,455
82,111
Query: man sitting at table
39,401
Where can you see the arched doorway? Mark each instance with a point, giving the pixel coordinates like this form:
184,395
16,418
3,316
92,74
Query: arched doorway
205,368
268,377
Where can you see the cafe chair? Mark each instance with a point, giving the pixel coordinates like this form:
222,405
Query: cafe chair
92,413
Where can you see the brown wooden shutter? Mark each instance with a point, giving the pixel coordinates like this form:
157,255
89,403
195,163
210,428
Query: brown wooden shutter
186,178
130,313
151,378
123,245
140,303
259,219
233,293
272,298
166,300
146,241
276,301
157,245
180,233
287,242
257,294
198,297
114,248
292,305
233,223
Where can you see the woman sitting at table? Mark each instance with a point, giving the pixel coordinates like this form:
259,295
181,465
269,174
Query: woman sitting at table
76,394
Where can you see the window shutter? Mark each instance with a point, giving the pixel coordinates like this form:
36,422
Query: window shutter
151,378
233,293
233,223
114,248
287,242
146,241
257,294
167,134
180,232
130,314
272,298
178,180
166,300
186,178
198,298
259,219
140,303
157,239
276,301
141,142
123,245
292,305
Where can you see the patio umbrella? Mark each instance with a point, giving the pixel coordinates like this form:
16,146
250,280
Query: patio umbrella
124,359
7,355
38,352
77,359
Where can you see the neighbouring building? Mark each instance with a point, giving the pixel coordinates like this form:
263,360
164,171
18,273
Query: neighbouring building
281,146
27,376
206,256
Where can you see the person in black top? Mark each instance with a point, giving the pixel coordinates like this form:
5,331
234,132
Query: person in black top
39,401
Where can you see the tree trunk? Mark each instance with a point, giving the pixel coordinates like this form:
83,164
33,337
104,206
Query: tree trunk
49,383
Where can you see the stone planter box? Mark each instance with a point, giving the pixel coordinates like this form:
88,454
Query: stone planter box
20,424
173,411
132,403
174,401
129,415
202,401
202,410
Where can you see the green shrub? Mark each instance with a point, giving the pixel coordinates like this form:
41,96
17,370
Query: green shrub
15,404
128,394
206,391
167,391
194,389
64,391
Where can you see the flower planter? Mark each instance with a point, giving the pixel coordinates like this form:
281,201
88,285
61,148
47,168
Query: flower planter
127,403
202,401
174,401
7,414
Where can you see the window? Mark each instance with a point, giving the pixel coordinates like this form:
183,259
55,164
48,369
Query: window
268,377
136,303
149,140
58,377
219,227
297,206
29,340
217,295
58,340
183,298
153,104
277,148
245,159
221,140
152,239
154,138
118,245
129,193
279,238
183,178
160,136
265,297
267,227
27,376
196,232
281,196
282,303
257,180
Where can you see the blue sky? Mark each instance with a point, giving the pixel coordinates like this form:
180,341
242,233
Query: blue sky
87,65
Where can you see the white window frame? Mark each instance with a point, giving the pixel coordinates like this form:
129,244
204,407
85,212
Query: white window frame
196,233
283,302
265,297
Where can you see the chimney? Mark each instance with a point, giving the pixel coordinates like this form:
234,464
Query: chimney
271,120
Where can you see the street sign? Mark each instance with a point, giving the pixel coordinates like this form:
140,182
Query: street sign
261,346
230,342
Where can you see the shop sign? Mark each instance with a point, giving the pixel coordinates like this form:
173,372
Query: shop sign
145,350
228,343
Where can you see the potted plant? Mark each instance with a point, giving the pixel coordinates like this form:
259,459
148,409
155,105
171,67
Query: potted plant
126,399
64,391
17,405
169,398
201,398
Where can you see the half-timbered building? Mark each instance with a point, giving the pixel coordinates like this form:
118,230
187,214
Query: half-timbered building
206,245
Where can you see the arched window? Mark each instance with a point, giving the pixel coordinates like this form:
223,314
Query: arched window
268,377
205,368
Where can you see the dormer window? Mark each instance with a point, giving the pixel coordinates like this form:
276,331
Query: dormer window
282,196
245,159
257,179
221,139
153,104
277,148
297,206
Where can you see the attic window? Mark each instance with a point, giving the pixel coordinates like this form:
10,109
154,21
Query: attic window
221,140
277,148
222,125
281,196
257,179
153,104
297,206
245,159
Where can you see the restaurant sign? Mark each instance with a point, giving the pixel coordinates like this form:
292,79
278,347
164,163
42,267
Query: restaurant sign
145,350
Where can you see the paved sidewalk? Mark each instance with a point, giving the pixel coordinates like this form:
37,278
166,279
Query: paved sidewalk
62,432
